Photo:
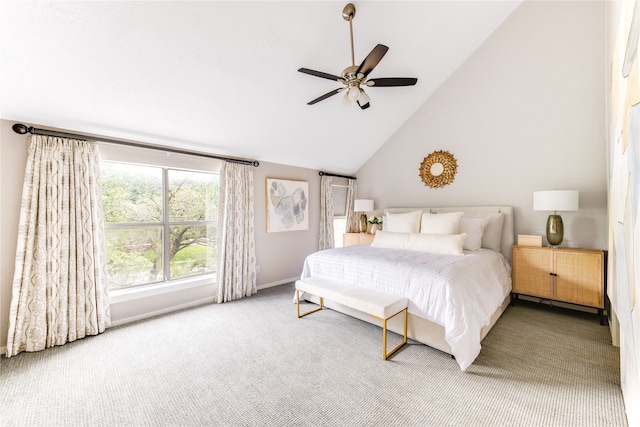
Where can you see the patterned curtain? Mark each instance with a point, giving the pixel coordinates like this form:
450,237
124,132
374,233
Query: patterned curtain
236,237
326,214
353,222
60,292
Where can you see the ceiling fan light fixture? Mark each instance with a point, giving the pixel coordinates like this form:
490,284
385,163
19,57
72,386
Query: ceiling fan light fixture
345,100
354,93
364,98
355,76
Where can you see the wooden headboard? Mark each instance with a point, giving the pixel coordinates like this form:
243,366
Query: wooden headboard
508,234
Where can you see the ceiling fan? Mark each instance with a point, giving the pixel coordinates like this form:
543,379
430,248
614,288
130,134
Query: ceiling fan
353,77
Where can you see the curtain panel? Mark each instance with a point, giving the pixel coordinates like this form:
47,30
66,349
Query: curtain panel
327,240
60,292
236,275
353,223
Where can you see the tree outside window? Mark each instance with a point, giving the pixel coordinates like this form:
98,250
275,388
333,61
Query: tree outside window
160,223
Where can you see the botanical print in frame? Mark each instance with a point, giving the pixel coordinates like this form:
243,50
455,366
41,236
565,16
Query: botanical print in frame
287,205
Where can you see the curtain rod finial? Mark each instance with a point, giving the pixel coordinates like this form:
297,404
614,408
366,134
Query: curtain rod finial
20,128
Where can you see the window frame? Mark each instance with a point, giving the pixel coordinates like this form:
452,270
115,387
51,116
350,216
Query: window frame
166,161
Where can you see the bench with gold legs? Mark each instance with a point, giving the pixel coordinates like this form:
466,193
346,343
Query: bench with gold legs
379,304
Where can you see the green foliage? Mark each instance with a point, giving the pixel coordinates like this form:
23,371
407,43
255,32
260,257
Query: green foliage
192,260
131,193
125,268
192,196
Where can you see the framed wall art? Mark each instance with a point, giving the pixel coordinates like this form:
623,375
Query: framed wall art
287,205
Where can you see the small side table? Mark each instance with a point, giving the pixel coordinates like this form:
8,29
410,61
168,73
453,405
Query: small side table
351,239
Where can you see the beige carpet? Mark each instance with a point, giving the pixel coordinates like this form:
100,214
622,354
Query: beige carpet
253,363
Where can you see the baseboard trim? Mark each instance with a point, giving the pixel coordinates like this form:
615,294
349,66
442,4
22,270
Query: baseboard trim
143,316
3,350
277,283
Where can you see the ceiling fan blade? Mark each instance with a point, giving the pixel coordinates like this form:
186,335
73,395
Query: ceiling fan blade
364,106
326,95
393,81
372,59
320,74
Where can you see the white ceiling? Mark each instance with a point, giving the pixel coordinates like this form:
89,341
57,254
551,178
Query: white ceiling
222,77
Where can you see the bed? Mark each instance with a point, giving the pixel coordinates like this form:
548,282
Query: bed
454,299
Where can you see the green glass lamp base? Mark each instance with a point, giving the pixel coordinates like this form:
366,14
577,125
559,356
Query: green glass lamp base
555,230
363,223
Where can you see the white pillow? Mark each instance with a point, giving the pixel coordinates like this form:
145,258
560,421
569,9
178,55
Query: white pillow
450,244
387,239
492,237
408,222
474,228
441,223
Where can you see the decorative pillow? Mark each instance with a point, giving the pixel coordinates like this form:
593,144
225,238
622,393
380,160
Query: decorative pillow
441,223
408,222
387,239
474,228
492,237
449,244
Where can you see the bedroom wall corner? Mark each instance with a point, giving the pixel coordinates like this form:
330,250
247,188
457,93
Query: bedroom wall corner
523,113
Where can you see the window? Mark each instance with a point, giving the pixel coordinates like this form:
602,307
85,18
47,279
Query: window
160,223
339,196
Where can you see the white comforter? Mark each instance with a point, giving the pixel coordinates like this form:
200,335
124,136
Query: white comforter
457,292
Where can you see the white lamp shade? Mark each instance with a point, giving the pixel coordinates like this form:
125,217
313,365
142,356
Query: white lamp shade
354,93
556,200
363,205
345,99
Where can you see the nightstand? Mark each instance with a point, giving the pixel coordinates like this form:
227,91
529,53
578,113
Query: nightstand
569,275
351,239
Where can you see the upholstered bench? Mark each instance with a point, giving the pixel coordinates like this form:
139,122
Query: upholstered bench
379,304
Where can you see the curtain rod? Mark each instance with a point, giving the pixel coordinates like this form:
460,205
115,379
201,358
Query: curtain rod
22,129
336,175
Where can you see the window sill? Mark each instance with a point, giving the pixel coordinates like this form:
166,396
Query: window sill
140,292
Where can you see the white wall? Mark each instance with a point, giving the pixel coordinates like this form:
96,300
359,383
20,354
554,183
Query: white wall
13,157
524,113
279,255
629,369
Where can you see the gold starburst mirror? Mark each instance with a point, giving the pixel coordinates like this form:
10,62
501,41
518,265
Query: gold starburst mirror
438,169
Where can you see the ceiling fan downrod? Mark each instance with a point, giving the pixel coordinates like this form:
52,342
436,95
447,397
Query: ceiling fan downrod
348,13
349,74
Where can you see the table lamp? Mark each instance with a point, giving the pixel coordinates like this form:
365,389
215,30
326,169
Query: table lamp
555,200
363,205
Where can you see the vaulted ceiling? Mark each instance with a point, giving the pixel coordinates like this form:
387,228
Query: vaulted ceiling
222,77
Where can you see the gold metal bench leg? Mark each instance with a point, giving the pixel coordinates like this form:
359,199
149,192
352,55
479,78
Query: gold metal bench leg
298,306
386,355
